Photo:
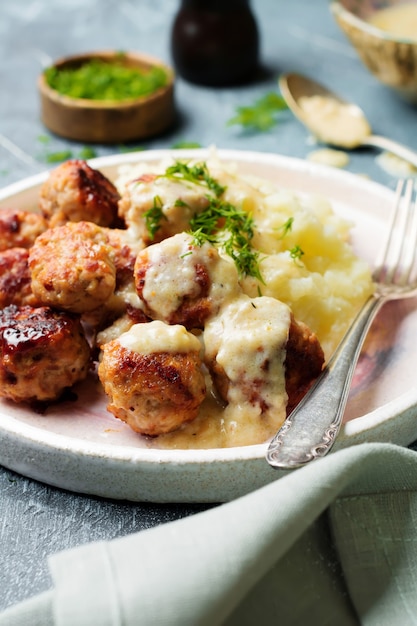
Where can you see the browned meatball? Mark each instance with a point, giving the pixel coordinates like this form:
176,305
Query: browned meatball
19,229
257,353
123,253
303,363
42,353
72,267
119,325
15,279
76,192
155,389
183,283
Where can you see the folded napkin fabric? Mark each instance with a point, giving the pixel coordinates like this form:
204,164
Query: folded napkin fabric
331,543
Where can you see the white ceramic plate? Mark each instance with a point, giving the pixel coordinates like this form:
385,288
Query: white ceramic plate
82,448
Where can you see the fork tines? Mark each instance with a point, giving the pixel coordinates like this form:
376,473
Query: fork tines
398,255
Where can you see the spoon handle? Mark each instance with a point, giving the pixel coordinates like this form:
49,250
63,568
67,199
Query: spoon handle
391,146
311,429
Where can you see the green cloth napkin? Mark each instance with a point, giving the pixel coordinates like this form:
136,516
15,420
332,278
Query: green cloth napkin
331,543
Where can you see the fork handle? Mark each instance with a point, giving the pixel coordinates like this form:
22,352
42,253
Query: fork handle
311,429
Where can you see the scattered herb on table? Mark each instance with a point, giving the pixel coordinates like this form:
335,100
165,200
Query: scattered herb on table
102,80
58,157
87,153
45,139
262,115
183,145
126,149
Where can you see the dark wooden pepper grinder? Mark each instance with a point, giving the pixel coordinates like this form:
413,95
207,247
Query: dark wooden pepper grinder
215,42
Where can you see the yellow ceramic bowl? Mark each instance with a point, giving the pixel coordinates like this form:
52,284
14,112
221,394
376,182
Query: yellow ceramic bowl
392,58
108,121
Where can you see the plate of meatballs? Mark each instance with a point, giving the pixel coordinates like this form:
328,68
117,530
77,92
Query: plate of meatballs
152,333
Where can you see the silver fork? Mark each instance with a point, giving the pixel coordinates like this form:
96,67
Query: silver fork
310,430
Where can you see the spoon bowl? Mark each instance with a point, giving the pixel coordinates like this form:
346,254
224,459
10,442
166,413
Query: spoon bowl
332,119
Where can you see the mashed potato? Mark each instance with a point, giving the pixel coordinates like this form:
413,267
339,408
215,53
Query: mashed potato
306,259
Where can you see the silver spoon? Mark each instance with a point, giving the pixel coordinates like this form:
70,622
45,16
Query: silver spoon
333,120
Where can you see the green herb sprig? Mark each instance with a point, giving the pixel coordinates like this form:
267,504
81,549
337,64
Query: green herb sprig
232,229
154,216
262,115
296,253
220,223
286,227
197,174
182,145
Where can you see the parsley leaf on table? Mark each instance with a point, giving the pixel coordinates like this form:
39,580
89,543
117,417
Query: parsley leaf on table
262,115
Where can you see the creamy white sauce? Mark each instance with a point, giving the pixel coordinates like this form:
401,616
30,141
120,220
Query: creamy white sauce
244,337
334,122
171,275
248,339
243,346
330,157
157,336
400,20
179,201
395,166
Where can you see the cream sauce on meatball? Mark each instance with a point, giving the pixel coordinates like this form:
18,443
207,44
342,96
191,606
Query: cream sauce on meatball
157,336
248,339
178,201
171,275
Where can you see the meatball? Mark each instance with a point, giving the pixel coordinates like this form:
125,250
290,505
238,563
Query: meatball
19,229
120,325
245,352
303,363
258,354
153,377
156,207
15,279
42,353
180,282
72,268
76,192
124,250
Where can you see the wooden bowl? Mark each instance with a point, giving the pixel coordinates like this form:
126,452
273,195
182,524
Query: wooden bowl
390,58
108,121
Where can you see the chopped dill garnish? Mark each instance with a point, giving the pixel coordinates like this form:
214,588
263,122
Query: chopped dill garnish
224,225
97,79
181,145
262,115
286,227
197,174
153,217
220,223
123,148
87,152
57,157
296,253
44,139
